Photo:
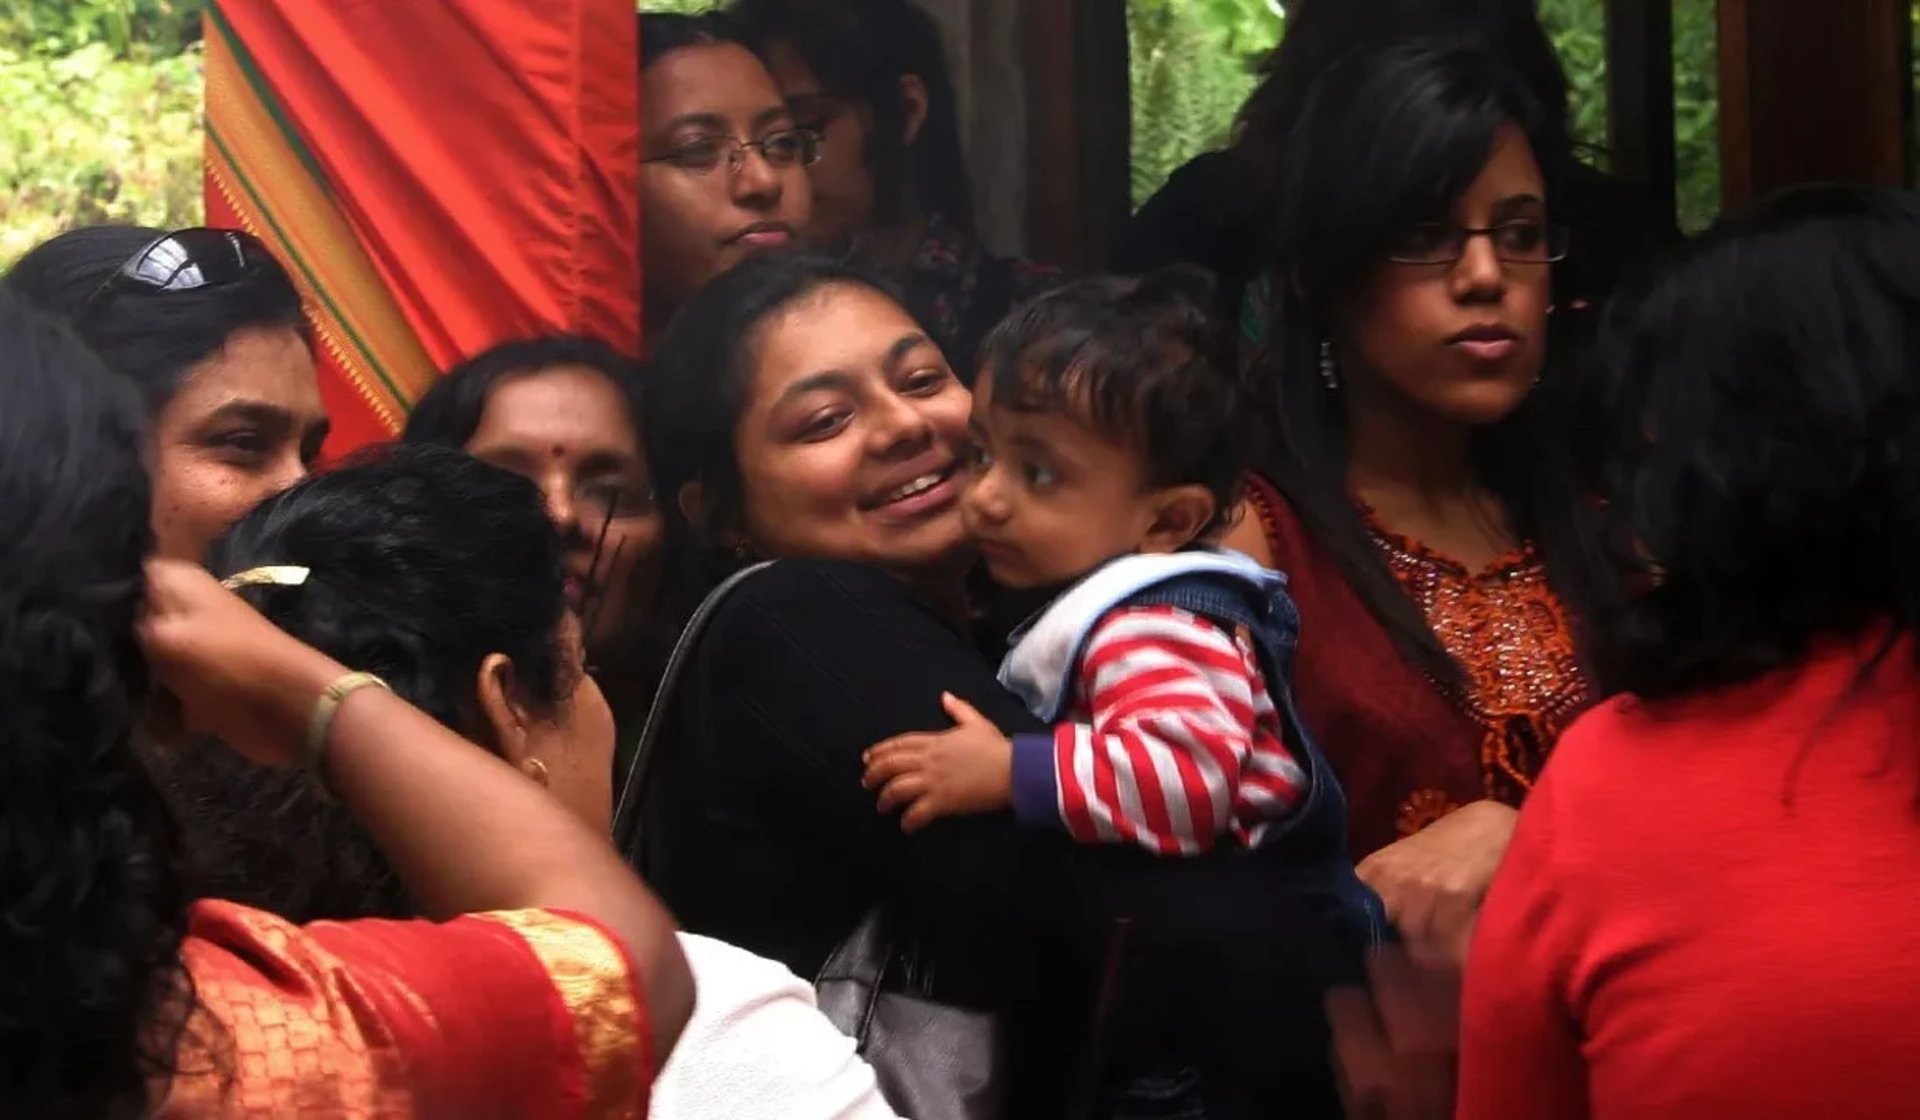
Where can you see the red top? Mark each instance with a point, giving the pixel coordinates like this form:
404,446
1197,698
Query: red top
1172,740
1406,751
519,1015
1710,908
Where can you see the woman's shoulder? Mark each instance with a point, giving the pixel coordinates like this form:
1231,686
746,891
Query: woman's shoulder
758,1046
1285,534
808,598
329,994
800,577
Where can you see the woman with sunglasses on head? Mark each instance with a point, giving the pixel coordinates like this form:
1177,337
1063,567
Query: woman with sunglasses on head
209,328
1411,490
723,166
871,77
552,984
564,412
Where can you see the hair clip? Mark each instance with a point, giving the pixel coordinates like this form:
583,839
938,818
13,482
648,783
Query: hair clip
268,575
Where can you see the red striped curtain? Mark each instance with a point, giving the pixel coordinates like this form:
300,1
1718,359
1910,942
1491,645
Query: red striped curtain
438,175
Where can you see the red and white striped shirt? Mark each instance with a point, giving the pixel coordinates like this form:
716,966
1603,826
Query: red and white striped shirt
1173,739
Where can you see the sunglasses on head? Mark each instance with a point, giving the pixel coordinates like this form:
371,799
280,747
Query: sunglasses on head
185,260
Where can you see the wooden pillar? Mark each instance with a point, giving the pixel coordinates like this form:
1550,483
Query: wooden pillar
1640,96
1077,130
1812,91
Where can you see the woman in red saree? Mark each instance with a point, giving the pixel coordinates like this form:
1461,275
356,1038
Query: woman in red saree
554,989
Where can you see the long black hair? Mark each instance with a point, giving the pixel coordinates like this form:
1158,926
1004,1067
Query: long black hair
423,561
151,339
1319,35
1386,138
859,50
696,387
1761,403
93,997
1141,359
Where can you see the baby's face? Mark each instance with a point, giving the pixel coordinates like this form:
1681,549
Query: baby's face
1051,498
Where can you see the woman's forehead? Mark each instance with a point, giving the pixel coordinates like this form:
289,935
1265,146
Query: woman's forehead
838,329
710,82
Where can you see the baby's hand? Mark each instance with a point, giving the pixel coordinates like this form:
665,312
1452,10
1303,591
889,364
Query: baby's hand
968,769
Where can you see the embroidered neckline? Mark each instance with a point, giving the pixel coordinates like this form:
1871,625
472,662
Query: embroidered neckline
1514,561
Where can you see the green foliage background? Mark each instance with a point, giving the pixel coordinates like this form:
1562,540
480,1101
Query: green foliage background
102,100
1192,66
102,116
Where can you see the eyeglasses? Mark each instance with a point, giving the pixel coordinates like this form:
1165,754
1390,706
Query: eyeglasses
598,501
791,147
187,259
1519,242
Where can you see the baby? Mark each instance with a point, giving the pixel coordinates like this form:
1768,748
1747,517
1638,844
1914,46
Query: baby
1107,458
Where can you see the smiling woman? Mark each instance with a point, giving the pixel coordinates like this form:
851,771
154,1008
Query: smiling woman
209,327
795,411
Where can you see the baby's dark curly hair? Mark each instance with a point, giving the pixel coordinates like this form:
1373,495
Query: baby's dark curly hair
93,996
1141,360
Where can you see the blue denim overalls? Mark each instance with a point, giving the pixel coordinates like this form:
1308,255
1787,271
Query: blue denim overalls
1214,937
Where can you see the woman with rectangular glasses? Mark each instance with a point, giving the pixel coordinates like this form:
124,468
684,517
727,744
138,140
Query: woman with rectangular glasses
723,166
1409,489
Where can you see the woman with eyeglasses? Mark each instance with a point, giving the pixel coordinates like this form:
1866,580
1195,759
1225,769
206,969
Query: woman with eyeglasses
723,166
1411,490
871,77
209,327
564,411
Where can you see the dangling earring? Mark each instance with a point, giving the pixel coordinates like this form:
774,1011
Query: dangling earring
1329,368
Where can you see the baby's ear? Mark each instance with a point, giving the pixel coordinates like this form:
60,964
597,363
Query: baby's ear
1180,515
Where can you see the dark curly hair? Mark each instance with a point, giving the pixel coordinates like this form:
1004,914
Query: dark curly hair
1761,402
93,997
424,561
151,341
1141,360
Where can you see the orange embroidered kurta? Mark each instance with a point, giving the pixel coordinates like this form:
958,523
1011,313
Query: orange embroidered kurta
437,177
521,1014
1406,750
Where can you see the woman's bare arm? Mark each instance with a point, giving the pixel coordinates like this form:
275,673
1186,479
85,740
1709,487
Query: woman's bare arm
464,831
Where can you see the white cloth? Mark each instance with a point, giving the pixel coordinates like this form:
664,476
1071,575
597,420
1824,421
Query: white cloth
758,1048
1042,665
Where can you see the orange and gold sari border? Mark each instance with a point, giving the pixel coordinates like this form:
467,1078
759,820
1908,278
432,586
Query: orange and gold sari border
596,983
260,174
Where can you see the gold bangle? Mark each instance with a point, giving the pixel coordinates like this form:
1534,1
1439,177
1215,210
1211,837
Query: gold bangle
328,706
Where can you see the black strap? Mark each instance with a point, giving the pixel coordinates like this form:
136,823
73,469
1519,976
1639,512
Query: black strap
626,807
